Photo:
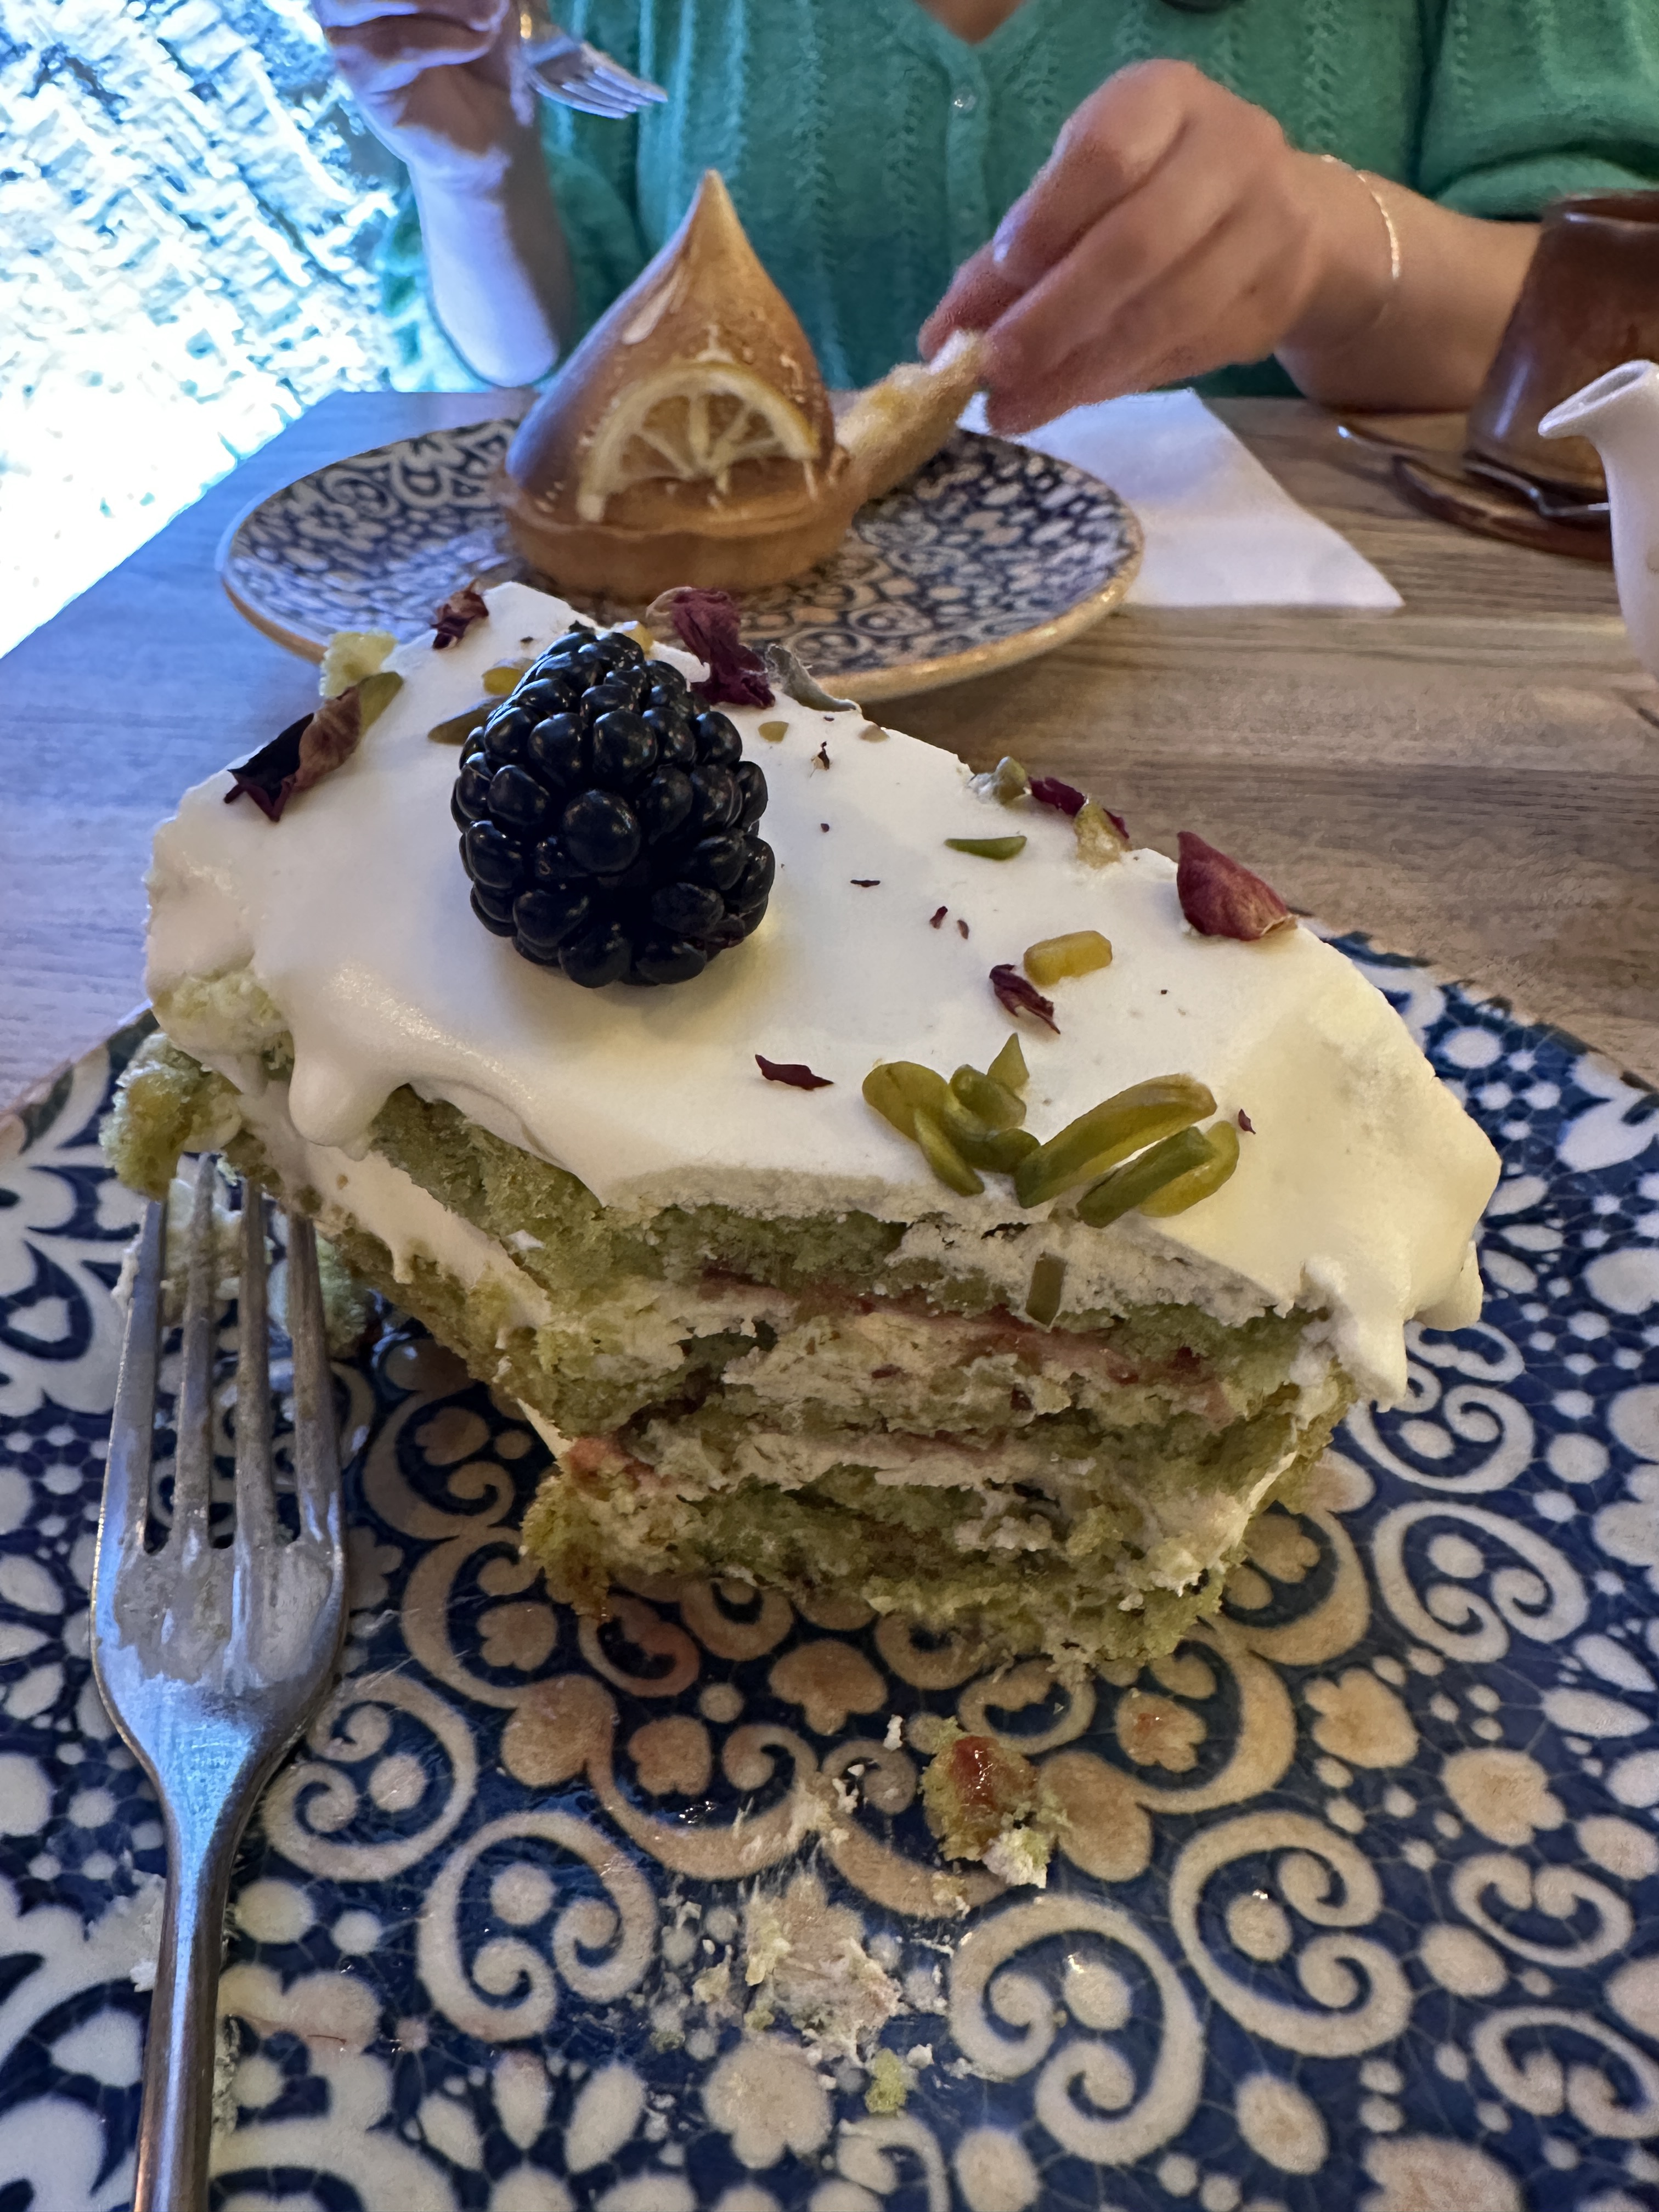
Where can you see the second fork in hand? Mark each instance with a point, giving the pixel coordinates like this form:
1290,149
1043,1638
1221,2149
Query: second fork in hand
566,69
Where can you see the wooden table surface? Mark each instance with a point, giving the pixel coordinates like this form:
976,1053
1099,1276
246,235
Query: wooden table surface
1474,779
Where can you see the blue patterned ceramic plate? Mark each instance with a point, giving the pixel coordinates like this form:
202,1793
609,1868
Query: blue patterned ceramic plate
986,556
1364,1911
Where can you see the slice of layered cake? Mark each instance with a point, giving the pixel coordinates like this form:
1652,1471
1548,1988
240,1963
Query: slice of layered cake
870,1178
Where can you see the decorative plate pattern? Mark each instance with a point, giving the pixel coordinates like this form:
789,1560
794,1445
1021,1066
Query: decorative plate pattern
1361,1906
988,554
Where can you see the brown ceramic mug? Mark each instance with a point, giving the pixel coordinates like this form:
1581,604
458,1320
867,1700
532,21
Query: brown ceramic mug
1590,299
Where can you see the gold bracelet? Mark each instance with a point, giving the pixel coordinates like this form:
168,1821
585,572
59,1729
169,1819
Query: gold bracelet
1382,207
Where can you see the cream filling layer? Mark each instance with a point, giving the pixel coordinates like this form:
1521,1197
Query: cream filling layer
1358,1191
827,1360
1179,1538
372,1195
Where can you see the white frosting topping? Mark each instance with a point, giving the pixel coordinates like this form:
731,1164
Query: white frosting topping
1358,1190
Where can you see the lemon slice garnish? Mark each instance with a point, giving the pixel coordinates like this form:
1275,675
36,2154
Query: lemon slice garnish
692,424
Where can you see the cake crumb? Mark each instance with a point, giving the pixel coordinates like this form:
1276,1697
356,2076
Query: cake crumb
713,1985
984,1802
806,1959
890,2083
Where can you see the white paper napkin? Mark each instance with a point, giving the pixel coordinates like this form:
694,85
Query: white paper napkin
1221,531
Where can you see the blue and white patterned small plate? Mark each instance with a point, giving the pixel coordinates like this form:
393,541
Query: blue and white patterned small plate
988,554
1360,1906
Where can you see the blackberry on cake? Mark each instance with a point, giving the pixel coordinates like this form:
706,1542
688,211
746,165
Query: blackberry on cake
942,1329
608,819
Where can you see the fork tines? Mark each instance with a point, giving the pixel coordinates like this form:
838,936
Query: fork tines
576,75
315,1456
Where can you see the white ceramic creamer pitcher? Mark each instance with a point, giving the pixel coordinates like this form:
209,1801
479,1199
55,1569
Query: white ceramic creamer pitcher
1619,416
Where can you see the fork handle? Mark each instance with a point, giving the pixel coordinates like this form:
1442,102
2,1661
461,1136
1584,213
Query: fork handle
181,2049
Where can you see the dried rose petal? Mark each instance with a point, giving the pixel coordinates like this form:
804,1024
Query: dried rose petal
794,1072
330,737
1221,898
864,883
962,928
456,616
300,755
821,759
937,916
1245,1123
1018,996
267,777
706,623
1049,791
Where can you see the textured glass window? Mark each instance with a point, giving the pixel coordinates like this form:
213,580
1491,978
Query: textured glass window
188,214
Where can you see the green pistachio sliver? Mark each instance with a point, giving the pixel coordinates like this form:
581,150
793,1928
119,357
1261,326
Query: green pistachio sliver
460,727
1004,783
375,694
959,1122
1170,1160
1079,953
1003,1149
1109,1133
1047,1283
1209,1175
993,1102
896,1087
1098,843
504,677
773,731
1009,1066
988,848
882,1092
922,1086
942,1156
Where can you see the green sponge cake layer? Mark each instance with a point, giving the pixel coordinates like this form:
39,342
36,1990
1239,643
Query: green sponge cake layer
784,1401
850,1261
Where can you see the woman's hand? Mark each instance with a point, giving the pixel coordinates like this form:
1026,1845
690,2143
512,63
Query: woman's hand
437,82
1172,229
441,84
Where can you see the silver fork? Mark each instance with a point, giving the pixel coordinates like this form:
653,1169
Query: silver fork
570,70
212,1659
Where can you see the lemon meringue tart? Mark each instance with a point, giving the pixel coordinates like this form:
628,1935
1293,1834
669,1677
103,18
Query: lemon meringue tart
690,439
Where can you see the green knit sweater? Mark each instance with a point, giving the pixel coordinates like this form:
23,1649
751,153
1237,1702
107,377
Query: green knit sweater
869,151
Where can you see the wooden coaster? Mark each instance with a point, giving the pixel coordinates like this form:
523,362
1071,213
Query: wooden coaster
1490,511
